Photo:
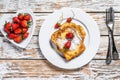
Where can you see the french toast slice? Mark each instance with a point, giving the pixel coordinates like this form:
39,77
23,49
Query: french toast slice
58,39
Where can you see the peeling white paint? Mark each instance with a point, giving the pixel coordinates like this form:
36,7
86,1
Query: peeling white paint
5,68
38,78
99,70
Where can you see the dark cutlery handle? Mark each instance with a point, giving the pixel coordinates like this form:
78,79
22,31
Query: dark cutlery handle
114,50
109,52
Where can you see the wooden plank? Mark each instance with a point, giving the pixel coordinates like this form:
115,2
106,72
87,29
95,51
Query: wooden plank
7,50
51,5
102,52
42,69
98,17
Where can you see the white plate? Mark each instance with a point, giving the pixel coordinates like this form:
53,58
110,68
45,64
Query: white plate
7,18
92,39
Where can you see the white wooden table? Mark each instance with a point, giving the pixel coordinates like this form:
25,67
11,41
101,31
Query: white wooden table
29,64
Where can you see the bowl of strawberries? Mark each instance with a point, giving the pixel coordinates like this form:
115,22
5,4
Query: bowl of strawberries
18,28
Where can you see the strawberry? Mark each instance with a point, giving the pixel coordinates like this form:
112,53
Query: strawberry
25,35
7,27
24,23
18,39
7,24
20,16
16,20
57,25
14,26
24,30
6,30
27,17
69,20
67,45
11,36
69,35
18,31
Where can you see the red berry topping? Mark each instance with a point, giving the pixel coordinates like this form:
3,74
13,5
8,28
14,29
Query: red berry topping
69,20
67,45
57,25
69,35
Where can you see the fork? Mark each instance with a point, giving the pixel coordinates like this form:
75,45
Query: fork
112,51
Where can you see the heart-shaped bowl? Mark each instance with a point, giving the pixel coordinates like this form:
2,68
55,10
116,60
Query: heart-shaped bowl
8,18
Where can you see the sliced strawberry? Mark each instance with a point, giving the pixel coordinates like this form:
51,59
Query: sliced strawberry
12,36
69,35
67,45
25,35
24,30
18,39
20,16
57,25
24,23
16,20
14,26
69,20
27,17
18,31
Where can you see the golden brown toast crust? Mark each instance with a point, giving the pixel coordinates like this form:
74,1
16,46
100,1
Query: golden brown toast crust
69,54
